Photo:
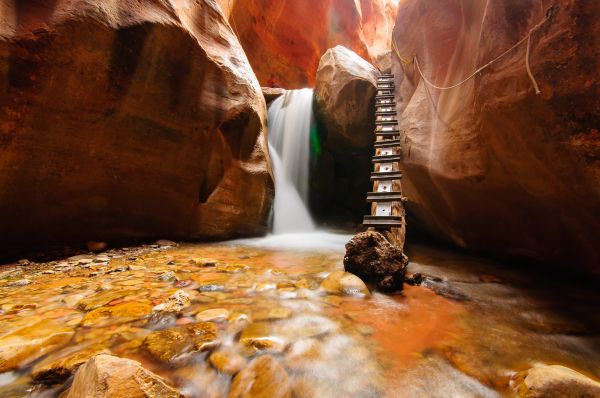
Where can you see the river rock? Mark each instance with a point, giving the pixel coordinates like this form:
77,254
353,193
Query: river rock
554,381
264,337
373,258
169,344
171,143
227,362
120,313
106,376
340,282
174,304
264,377
462,176
101,299
213,315
57,369
29,343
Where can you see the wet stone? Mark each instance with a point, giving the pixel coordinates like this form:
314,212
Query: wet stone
340,282
58,368
232,268
262,336
106,376
264,377
169,344
120,313
19,283
228,362
31,342
168,277
174,304
213,315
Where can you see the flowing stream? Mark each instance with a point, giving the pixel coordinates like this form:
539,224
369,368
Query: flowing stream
290,118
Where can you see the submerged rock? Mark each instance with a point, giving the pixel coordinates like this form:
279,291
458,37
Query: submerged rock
57,369
106,376
340,282
263,378
555,381
228,362
174,304
169,344
31,342
120,313
370,256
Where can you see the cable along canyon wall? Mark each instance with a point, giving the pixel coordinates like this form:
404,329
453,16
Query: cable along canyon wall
128,119
489,164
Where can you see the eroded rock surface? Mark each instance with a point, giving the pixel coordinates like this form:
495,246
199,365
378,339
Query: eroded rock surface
106,376
370,256
490,165
125,120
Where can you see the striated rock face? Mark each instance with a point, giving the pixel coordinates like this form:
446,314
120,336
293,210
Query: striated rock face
128,119
489,164
285,39
344,106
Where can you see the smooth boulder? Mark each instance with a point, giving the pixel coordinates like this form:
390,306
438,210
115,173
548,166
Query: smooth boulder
264,377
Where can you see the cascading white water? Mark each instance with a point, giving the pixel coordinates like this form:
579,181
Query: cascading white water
289,119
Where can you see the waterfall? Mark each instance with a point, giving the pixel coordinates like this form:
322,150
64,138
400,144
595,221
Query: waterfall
289,119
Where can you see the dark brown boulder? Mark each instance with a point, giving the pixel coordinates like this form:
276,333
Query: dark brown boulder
370,256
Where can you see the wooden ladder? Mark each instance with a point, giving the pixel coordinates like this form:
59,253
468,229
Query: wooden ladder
387,211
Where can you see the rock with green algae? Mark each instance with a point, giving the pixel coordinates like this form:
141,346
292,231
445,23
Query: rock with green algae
554,381
168,345
29,343
106,376
263,378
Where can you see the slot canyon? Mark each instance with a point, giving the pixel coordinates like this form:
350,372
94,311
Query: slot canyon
299,198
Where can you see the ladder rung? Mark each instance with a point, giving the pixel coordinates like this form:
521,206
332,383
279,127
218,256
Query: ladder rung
386,158
386,133
389,176
384,197
386,122
382,222
386,143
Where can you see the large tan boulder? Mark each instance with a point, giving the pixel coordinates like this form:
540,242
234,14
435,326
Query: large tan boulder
490,165
285,39
555,381
106,376
345,97
344,107
128,119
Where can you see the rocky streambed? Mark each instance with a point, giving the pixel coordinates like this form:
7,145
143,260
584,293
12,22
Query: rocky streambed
240,319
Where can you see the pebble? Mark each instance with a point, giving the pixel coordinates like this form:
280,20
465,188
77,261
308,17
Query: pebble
168,277
213,315
22,282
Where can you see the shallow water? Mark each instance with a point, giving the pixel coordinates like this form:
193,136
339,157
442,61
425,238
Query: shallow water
464,333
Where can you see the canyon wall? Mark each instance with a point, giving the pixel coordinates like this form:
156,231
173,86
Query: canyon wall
489,164
285,39
128,119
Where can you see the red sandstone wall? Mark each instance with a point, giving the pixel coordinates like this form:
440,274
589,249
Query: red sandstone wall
490,165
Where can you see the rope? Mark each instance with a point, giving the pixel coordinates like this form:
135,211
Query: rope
527,39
